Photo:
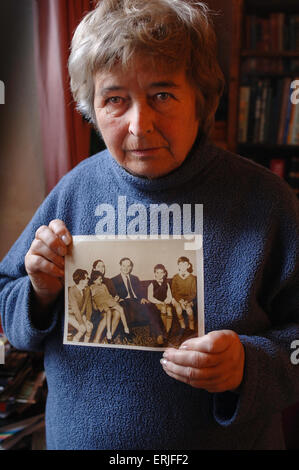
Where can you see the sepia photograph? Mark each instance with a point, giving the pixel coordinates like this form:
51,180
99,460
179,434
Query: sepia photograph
133,292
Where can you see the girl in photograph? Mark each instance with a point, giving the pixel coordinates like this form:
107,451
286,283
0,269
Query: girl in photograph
159,294
104,302
183,288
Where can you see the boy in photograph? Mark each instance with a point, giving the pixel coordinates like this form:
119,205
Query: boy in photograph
80,307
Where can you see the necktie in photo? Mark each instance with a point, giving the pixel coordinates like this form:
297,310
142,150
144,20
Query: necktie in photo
130,290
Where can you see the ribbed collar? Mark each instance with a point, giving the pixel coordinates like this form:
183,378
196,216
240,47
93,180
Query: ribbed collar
201,154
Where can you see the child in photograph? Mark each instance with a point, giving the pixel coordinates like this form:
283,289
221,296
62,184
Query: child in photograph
80,308
159,293
184,291
104,302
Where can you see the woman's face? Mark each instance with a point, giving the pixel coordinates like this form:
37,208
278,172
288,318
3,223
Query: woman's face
83,282
183,266
147,117
100,267
159,274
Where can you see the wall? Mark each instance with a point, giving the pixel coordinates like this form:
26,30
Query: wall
22,186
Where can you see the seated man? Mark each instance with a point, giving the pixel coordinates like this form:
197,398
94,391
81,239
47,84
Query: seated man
138,309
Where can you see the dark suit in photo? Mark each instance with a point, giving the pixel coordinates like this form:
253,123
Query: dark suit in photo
136,313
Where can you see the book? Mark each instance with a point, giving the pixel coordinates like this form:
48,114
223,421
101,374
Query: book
295,131
257,112
285,108
275,112
12,434
243,113
277,166
276,31
293,174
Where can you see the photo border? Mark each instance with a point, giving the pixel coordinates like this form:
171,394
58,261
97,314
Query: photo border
192,243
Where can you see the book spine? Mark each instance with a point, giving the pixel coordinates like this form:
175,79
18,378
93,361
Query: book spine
243,113
293,174
277,166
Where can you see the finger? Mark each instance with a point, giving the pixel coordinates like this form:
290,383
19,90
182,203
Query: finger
212,382
60,229
40,249
214,342
191,358
196,383
37,264
187,375
51,240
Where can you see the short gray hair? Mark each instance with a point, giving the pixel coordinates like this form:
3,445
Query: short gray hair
172,32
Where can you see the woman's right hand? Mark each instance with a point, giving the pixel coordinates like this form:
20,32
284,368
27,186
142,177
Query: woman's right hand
44,261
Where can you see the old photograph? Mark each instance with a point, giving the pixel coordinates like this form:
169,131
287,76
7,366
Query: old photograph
133,292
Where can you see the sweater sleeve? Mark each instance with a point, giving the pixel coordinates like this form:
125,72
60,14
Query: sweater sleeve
74,307
271,379
193,289
175,287
16,293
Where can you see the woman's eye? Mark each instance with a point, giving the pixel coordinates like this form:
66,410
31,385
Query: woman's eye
114,100
163,96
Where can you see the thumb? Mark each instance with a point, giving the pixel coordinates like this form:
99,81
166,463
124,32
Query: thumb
213,342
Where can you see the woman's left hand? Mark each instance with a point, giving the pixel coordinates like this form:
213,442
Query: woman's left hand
214,362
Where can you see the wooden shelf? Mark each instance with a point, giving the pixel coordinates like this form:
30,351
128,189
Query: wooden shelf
270,54
278,148
266,6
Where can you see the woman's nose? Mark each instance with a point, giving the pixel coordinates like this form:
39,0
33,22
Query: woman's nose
141,120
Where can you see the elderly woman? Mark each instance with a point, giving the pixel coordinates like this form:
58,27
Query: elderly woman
145,73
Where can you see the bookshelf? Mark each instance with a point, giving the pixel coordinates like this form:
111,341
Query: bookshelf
263,112
23,391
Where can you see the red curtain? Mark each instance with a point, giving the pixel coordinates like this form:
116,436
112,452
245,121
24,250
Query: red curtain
65,135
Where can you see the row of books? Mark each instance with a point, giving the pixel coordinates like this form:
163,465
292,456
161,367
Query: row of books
288,169
275,32
18,435
268,113
22,396
269,66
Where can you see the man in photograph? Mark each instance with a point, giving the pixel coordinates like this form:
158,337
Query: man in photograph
138,309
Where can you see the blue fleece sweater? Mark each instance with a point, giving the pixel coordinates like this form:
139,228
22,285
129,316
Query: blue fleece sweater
105,398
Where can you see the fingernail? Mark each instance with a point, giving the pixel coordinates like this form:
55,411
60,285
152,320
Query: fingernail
66,239
61,251
163,362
